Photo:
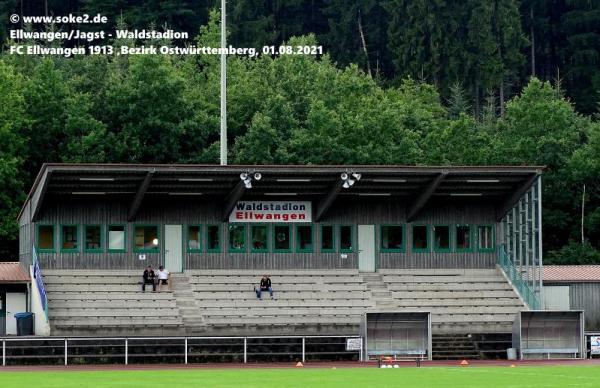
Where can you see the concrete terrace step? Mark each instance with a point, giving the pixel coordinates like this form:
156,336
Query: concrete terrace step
461,302
166,313
258,273
453,294
282,303
441,271
281,287
107,322
130,296
449,286
298,294
150,304
443,279
228,321
276,279
277,311
80,287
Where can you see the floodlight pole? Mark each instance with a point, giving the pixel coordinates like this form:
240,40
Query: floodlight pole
223,85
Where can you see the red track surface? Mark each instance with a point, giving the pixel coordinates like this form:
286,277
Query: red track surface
473,363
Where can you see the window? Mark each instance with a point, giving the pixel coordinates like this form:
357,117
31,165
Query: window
237,238
69,240
213,238
346,238
304,238
463,238
260,238
420,238
93,238
194,238
145,238
327,238
441,238
281,238
45,238
485,238
116,238
392,238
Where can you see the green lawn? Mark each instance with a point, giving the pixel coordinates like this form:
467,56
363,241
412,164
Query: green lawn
488,377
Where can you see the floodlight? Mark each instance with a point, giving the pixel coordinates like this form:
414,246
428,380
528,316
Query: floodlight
346,185
248,183
356,176
244,176
257,176
344,176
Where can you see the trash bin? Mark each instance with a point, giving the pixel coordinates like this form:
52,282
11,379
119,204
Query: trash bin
24,323
511,353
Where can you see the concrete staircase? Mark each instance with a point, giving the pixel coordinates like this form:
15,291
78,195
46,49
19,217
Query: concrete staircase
189,310
380,294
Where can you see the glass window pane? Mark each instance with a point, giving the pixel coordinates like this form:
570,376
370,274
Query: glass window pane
259,238
486,240
392,237
116,237
327,238
419,237
441,236
194,237
46,237
304,238
281,240
146,237
463,237
237,237
346,237
69,237
213,241
93,237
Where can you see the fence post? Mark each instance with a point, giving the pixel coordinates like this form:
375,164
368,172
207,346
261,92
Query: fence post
66,352
3,352
245,350
303,350
126,351
186,350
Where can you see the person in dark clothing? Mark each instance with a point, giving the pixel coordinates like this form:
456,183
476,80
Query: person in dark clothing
265,284
149,277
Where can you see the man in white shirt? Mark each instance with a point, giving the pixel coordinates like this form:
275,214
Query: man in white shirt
163,278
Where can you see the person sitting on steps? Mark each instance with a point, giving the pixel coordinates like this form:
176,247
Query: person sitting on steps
163,278
265,284
149,277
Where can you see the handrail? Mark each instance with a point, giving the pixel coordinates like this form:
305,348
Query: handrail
516,279
39,279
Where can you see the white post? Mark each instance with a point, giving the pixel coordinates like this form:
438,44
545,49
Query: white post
186,350
126,351
223,84
3,352
66,351
540,253
303,350
245,350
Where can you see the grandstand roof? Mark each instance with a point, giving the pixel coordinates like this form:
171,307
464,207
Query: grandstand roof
11,272
571,273
501,185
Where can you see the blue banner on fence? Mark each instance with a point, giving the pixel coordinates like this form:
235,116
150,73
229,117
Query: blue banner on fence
37,274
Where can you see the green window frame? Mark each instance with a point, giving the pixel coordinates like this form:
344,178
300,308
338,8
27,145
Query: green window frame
253,246
64,234
146,250
352,239
208,229
327,250
100,247
384,249
198,238
299,249
37,239
412,239
471,239
274,233
493,235
108,230
436,247
242,248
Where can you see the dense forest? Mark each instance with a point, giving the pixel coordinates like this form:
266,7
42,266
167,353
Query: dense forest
434,82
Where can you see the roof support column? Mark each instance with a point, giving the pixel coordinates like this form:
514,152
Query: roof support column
420,202
139,196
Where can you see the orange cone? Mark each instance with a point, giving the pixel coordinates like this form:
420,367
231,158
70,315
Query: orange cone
299,365
464,363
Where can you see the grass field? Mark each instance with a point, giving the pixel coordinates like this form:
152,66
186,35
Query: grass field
488,377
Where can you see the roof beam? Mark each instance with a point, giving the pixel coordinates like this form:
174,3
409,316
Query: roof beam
232,198
512,200
420,202
139,196
38,204
326,202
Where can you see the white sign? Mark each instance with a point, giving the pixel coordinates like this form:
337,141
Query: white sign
271,211
595,344
353,344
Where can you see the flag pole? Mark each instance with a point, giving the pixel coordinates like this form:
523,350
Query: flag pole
223,85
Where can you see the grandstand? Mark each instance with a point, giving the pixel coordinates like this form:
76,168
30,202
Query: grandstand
354,239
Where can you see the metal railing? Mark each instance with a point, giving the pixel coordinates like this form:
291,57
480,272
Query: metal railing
182,350
516,279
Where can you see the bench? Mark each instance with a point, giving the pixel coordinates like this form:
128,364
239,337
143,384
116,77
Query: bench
393,357
549,351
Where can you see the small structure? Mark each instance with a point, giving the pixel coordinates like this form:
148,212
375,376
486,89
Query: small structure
402,335
549,334
13,295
